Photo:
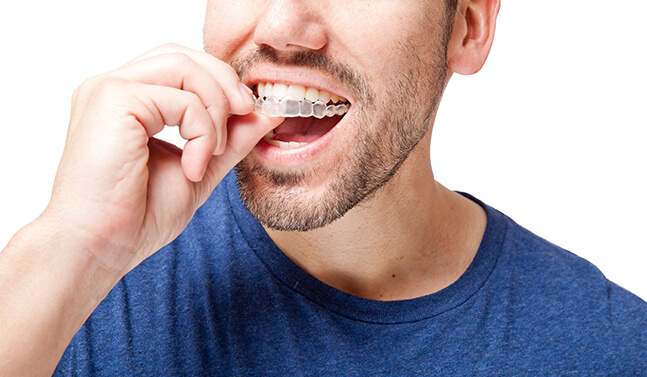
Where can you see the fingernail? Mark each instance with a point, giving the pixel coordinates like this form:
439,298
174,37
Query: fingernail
246,92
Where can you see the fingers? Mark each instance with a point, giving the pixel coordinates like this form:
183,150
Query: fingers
134,194
175,86
245,131
159,106
196,71
213,81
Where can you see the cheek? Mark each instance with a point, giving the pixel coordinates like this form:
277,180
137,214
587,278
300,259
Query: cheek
390,42
228,26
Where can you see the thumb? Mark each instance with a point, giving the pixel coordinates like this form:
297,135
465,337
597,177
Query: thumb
244,132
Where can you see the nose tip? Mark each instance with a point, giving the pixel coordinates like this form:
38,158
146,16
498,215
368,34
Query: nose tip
289,25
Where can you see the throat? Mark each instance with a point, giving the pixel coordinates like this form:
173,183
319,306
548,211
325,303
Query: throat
421,251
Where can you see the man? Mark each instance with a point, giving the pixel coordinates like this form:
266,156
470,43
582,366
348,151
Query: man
355,260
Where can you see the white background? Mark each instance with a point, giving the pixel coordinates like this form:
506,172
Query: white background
552,132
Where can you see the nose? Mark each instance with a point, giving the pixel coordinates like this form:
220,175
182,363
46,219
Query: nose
291,25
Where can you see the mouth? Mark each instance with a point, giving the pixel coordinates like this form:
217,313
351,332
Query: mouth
310,113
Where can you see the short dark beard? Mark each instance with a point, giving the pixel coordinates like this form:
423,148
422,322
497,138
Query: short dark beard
282,201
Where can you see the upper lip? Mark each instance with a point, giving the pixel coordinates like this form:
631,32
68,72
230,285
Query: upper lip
297,76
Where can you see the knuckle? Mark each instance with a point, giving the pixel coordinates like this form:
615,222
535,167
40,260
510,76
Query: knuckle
162,49
193,109
211,139
178,58
106,87
193,100
98,88
174,46
168,47
83,91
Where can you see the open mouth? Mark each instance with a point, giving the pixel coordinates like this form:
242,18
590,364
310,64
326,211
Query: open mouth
310,113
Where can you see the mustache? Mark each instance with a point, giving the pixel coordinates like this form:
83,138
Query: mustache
343,73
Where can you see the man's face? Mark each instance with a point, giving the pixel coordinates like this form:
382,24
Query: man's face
387,58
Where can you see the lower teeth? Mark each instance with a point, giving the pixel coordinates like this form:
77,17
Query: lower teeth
286,144
290,107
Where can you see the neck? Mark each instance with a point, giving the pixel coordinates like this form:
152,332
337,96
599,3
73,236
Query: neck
413,238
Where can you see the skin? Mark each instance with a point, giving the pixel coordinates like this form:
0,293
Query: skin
110,210
366,252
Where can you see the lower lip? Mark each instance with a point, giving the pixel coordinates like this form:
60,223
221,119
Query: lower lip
287,156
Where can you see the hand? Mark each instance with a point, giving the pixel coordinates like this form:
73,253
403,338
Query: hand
123,194
119,194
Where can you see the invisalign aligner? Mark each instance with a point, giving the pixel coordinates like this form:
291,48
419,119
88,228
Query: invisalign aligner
290,107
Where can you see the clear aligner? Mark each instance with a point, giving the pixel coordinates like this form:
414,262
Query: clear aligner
290,107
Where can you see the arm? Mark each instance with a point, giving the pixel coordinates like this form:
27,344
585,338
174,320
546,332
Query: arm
110,206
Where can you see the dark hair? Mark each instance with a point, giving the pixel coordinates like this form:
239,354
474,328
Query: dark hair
451,6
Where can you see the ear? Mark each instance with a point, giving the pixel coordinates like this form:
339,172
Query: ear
472,35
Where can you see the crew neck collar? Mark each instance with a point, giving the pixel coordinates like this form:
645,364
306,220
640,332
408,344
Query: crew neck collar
366,310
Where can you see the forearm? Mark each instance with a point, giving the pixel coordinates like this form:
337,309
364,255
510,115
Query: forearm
49,285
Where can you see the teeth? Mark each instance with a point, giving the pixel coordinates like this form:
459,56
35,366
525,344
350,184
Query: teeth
300,92
286,145
297,91
324,96
269,88
291,101
298,101
279,91
282,144
260,89
312,94
289,107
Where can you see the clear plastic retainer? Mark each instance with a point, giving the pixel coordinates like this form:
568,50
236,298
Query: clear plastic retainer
290,107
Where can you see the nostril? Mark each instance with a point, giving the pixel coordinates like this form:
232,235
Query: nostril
290,26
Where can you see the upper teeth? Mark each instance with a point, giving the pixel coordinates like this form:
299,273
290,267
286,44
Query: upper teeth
296,101
300,92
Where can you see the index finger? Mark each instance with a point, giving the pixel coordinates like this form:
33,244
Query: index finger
238,95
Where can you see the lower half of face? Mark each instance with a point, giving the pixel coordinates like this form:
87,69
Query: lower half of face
363,151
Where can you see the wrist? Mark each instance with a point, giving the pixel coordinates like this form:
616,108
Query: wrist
49,249
85,249
49,286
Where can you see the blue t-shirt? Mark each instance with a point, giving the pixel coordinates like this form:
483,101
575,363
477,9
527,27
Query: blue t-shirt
223,300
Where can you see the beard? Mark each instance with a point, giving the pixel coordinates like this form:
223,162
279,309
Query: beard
386,132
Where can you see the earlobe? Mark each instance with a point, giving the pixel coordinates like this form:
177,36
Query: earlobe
472,35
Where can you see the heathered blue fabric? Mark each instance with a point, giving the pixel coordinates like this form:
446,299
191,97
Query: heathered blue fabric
222,300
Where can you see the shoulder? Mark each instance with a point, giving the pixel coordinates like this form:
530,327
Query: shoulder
566,297
552,270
